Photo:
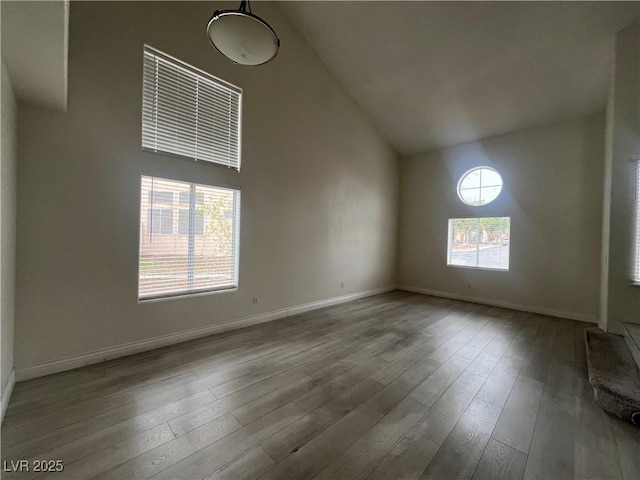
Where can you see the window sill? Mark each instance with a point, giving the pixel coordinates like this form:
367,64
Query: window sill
188,294
469,267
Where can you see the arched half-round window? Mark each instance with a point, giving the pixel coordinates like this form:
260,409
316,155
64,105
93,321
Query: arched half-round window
479,186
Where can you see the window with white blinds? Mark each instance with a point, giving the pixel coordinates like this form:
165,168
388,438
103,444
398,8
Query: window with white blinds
188,238
636,259
479,242
188,112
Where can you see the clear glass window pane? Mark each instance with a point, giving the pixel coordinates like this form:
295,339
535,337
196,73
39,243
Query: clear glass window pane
471,180
491,178
479,186
160,221
489,194
471,196
183,222
190,246
479,242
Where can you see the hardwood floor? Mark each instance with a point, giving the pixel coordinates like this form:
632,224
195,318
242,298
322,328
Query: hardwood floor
393,386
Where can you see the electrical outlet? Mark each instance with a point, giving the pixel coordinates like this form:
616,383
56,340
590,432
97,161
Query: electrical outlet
341,284
255,300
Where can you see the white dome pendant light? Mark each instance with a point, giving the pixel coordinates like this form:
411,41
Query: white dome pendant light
242,37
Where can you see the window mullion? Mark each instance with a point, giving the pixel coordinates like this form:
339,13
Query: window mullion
477,242
151,215
191,237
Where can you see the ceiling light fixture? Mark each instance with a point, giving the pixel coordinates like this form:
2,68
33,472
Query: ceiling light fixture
242,37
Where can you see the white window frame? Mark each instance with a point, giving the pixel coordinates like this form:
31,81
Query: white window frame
161,212
236,242
477,252
189,113
480,186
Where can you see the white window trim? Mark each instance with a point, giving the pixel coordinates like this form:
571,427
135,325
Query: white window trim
480,187
236,242
474,267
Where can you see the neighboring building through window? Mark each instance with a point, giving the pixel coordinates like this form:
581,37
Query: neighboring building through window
188,112
160,197
479,242
479,186
189,244
160,221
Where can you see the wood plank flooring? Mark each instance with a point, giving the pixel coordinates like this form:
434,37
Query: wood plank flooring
393,386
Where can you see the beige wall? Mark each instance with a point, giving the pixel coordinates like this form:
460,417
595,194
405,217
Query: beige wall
623,299
319,186
553,194
7,227
606,208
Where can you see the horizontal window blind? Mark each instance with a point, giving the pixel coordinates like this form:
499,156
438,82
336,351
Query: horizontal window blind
188,112
479,242
189,245
636,264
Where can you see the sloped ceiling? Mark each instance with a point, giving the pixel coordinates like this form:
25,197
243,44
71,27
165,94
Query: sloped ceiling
34,50
434,74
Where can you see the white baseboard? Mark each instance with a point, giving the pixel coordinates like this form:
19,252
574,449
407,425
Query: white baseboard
6,394
76,361
499,303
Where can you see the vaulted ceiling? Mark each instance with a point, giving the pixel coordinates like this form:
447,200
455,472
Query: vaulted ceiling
434,74
430,74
